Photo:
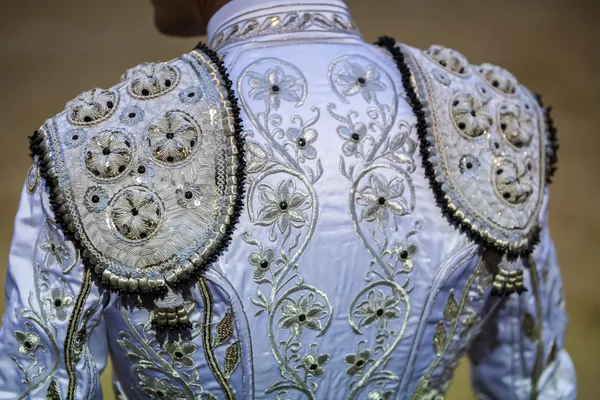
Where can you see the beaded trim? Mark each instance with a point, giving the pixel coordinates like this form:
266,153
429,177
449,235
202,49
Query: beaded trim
552,144
455,216
185,271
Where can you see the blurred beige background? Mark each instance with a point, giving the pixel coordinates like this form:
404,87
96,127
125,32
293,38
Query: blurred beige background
52,50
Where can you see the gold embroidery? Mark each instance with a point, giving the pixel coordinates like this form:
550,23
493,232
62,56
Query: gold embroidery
439,339
207,340
52,393
70,348
232,358
529,327
451,309
224,328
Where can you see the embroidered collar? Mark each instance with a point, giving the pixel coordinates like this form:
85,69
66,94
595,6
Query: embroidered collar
241,21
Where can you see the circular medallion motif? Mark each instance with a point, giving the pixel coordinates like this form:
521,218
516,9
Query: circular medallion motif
95,199
470,115
92,107
512,183
516,124
174,138
108,155
136,213
499,78
451,60
152,80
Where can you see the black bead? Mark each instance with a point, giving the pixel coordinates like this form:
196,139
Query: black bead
506,195
192,143
469,165
109,104
503,126
381,201
145,92
275,89
75,137
496,83
141,169
121,168
361,81
170,159
170,135
355,137
57,302
131,115
462,125
127,143
301,142
283,205
379,312
301,317
87,118
95,199
188,195
264,264
443,63
404,254
473,113
134,211
191,94
167,83
106,151
455,103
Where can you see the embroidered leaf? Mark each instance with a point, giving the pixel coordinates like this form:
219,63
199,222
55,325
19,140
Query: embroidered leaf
257,313
553,353
311,174
529,327
319,170
258,303
343,167
261,296
440,338
224,328
52,393
451,309
133,353
258,157
232,358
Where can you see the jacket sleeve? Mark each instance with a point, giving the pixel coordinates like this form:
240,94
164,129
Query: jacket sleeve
44,280
520,352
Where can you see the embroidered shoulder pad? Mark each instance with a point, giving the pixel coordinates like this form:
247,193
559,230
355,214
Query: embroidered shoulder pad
488,145
147,177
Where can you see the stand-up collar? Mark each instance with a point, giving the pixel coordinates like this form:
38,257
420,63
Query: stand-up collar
257,20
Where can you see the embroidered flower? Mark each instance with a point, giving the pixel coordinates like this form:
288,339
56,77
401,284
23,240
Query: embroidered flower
470,115
353,135
152,79
469,165
274,86
191,95
174,138
381,199
136,213
357,79
189,195
516,124
75,137
92,106
283,207
181,352
511,181
357,362
314,364
404,253
379,395
378,308
95,199
61,302
108,154
142,171
159,388
29,342
303,140
261,262
306,313
131,115
57,251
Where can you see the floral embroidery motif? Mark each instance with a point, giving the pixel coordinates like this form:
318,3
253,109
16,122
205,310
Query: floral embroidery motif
381,200
381,193
136,213
92,107
30,343
469,165
283,206
512,184
152,79
108,155
449,59
174,138
180,353
61,302
189,195
158,388
191,95
274,86
281,197
131,115
470,115
75,137
355,78
96,199
516,124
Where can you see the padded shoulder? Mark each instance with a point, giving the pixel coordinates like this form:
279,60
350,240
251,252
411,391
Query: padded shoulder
147,176
487,145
